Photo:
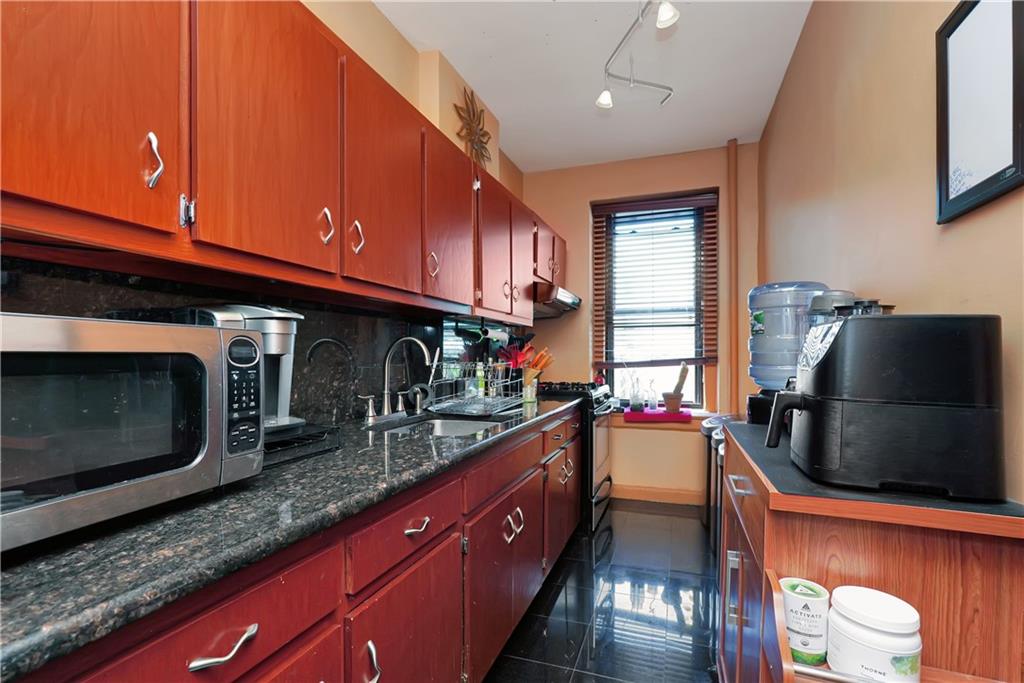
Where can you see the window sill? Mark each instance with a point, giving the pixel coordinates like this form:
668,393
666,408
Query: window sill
619,422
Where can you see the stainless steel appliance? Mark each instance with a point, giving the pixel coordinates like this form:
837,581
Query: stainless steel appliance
551,301
596,413
100,418
276,325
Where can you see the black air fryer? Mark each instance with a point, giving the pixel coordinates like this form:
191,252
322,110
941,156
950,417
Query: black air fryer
901,402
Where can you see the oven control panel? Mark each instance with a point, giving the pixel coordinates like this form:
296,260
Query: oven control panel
244,412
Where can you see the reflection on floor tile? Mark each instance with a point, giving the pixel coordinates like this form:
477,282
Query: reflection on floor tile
632,602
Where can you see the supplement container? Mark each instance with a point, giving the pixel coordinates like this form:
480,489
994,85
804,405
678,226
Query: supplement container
874,635
806,605
778,325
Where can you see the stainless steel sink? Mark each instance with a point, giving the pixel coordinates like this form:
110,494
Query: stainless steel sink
459,427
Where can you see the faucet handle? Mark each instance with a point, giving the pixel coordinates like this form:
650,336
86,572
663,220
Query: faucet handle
401,404
370,410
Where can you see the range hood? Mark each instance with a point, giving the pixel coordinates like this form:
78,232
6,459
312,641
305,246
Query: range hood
551,301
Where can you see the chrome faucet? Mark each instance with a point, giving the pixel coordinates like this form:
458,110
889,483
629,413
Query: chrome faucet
386,407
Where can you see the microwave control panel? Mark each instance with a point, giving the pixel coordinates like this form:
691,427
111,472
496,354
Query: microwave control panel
243,394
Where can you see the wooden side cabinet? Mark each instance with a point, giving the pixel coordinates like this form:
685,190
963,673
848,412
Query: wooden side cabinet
544,252
494,257
522,261
447,220
94,96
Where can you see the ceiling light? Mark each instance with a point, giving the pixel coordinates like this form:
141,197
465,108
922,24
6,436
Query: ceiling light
604,100
667,14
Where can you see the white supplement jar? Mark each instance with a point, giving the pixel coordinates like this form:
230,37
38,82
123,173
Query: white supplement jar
874,635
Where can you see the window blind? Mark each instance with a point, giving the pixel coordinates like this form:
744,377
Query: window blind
655,281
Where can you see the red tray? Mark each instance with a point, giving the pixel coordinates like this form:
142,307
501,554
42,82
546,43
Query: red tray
659,415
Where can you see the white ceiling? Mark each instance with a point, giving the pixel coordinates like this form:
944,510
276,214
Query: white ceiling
539,66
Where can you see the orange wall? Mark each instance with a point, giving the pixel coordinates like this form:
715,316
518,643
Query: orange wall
847,164
563,196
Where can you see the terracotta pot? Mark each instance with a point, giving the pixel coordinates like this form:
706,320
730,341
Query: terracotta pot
673,402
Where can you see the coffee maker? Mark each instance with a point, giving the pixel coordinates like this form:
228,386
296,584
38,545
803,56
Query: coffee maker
278,327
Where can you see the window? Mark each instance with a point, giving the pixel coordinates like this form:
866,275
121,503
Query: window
655,293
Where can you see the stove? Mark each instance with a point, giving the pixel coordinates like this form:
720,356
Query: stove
596,410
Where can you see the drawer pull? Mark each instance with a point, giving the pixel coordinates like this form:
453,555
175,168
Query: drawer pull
373,660
509,537
558,437
739,487
562,480
207,662
570,469
420,530
154,146
575,425
522,520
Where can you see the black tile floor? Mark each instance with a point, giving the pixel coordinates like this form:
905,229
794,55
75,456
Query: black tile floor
629,602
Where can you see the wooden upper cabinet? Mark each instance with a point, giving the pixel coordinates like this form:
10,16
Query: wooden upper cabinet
447,220
544,252
495,254
382,240
268,132
522,260
559,261
83,86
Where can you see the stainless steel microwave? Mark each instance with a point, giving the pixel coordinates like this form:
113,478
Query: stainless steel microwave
100,418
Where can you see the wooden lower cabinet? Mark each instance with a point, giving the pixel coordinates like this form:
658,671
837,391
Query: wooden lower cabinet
319,658
411,629
502,570
562,497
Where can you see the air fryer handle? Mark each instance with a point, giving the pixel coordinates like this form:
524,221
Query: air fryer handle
784,402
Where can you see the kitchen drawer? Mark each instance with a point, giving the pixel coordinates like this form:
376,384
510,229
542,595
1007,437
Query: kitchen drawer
492,476
748,493
378,547
280,609
318,658
556,435
574,423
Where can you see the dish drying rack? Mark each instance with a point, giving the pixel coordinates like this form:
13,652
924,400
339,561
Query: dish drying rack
456,390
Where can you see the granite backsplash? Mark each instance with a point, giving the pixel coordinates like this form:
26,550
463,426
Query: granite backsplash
325,386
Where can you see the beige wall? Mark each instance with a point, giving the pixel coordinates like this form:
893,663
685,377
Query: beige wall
847,165
510,175
658,464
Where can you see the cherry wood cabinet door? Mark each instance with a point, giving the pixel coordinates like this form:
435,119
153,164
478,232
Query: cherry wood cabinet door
522,261
573,485
411,630
447,220
558,273
554,507
383,182
752,585
490,598
495,234
84,84
529,542
317,659
544,252
730,580
268,132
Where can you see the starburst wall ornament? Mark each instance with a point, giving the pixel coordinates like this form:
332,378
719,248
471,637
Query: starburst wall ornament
471,114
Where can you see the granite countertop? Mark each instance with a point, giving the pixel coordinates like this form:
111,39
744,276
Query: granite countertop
57,597
787,478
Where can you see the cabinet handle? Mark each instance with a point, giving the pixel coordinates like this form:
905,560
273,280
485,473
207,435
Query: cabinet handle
356,248
373,661
557,268
432,272
207,662
154,145
507,289
570,469
738,485
515,292
522,520
420,530
558,437
476,184
326,239
732,563
575,425
509,537
562,480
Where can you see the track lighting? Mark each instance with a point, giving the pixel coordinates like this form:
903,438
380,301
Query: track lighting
604,100
667,15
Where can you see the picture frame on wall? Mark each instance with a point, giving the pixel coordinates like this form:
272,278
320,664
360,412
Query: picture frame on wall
980,86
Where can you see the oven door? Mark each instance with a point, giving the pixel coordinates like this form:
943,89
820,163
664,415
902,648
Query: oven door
100,418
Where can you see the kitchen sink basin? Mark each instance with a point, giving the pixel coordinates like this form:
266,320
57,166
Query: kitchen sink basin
459,427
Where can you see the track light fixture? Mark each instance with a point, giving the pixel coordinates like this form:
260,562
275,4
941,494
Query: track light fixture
667,16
